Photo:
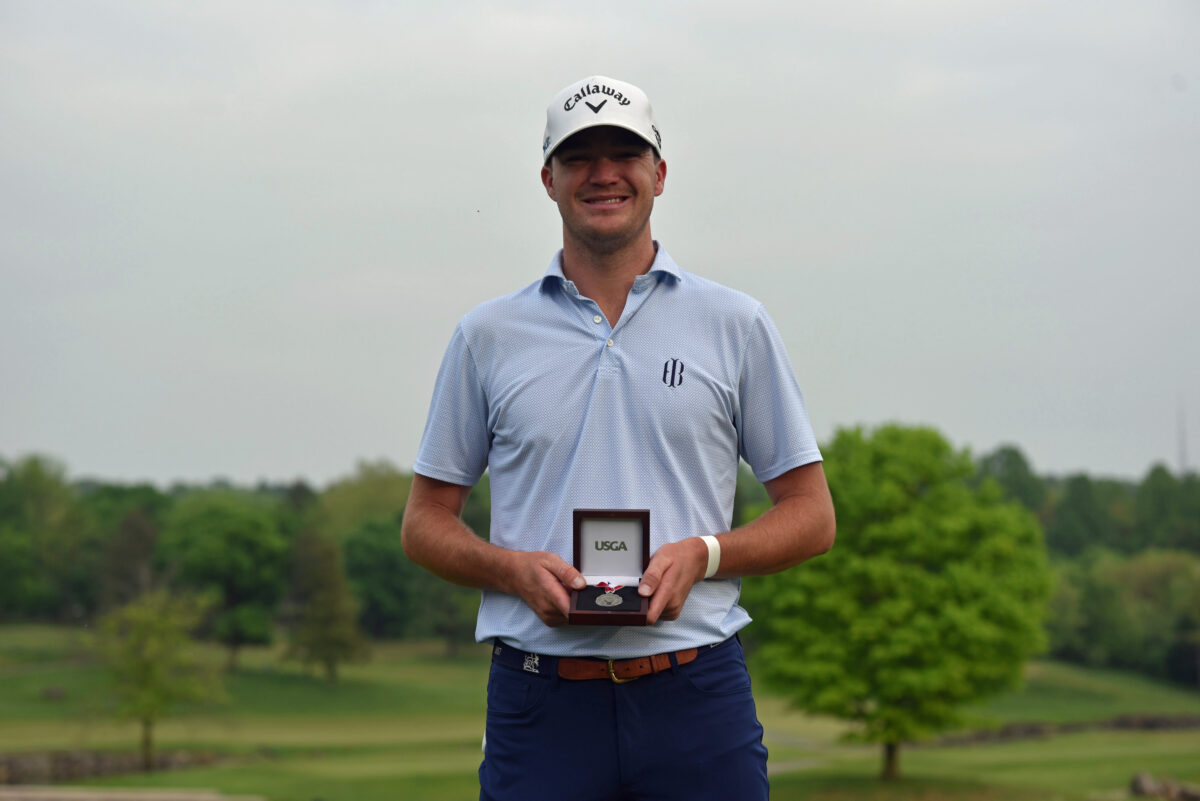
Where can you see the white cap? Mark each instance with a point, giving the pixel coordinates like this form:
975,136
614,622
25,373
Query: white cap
596,101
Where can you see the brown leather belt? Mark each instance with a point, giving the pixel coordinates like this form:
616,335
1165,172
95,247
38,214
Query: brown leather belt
621,670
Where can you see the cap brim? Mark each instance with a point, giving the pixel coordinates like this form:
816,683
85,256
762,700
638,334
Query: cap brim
606,124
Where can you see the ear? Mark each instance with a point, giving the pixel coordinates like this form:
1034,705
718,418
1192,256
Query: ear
548,182
660,177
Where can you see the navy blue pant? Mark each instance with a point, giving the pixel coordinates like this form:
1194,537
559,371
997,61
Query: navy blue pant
690,732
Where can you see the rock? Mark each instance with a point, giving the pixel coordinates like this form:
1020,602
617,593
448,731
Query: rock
1145,784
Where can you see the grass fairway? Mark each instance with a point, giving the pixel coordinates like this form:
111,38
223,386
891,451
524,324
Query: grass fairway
407,725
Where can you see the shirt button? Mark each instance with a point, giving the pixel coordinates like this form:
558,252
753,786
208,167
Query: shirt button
610,343
596,319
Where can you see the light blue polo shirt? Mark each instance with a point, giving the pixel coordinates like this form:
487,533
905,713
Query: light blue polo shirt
567,412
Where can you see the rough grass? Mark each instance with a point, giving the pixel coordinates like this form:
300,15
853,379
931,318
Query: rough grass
408,725
1060,693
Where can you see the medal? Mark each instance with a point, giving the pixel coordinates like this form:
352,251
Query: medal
610,597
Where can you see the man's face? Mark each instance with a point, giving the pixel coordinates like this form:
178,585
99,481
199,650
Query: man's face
604,180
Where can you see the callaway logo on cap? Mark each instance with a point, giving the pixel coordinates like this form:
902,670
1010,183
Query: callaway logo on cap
598,101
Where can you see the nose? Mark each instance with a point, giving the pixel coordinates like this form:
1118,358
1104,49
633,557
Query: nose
604,171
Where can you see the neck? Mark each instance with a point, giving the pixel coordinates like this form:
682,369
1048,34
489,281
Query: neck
606,277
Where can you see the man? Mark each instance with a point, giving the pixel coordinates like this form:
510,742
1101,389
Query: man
616,381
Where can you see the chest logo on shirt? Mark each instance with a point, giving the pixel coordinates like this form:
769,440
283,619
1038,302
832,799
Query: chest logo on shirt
672,373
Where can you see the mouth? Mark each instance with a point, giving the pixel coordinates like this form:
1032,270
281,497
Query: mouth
605,200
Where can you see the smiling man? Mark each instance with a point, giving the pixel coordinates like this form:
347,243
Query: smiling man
616,381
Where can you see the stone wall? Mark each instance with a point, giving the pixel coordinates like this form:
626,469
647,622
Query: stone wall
49,767
1030,731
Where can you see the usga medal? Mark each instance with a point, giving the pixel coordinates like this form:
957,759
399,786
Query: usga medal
610,597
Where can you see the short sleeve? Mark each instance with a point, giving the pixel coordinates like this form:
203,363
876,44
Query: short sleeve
774,433
456,441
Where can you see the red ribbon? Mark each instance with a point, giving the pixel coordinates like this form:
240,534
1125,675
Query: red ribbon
608,588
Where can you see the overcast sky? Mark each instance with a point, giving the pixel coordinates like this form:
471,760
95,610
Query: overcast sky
235,237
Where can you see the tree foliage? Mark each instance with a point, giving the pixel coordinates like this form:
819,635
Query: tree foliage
932,597
1009,468
386,584
146,648
401,599
25,589
376,490
228,544
42,526
323,630
1080,520
128,560
1167,510
1139,612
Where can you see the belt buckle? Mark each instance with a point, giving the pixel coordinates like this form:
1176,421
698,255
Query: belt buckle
616,680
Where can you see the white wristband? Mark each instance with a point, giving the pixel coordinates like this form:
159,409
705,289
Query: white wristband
714,555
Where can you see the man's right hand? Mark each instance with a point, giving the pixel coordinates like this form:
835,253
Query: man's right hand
541,579
434,536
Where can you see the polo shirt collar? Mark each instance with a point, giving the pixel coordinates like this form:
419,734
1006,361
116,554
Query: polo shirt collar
662,267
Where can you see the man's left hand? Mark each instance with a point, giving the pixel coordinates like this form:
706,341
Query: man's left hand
669,577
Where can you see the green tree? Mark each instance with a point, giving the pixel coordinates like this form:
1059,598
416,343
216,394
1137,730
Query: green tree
400,599
45,524
376,490
146,649
1117,498
1139,612
1009,468
1159,591
449,611
123,523
1079,520
323,629
23,588
1185,532
386,584
1156,506
228,544
107,505
128,560
1069,613
297,509
1167,510
933,596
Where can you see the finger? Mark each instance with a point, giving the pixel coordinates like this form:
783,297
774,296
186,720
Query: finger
551,612
543,592
553,591
567,575
656,606
661,598
663,607
671,610
557,598
652,577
